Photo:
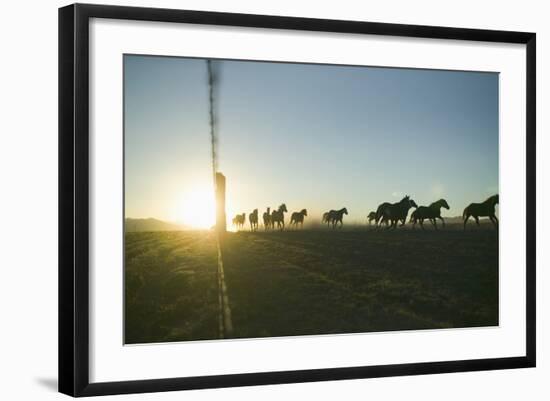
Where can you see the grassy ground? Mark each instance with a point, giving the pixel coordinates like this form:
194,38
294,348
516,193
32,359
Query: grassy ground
170,286
310,282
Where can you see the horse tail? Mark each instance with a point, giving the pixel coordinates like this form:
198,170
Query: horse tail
465,212
378,213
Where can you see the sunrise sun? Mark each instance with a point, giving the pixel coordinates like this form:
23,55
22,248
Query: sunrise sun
197,208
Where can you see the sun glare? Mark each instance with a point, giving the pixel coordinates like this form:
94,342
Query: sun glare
197,208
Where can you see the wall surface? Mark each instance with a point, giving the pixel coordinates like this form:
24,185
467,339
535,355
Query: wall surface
28,201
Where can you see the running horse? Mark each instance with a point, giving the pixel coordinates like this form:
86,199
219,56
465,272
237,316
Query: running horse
267,218
239,220
298,217
379,217
395,212
325,218
431,213
253,219
278,216
484,209
337,216
371,217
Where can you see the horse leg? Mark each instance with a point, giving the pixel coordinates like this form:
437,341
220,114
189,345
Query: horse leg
422,224
477,220
434,223
466,220
442,221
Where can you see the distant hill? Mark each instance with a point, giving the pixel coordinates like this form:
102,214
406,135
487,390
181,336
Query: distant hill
151,224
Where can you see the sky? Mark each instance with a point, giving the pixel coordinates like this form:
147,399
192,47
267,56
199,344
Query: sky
318,137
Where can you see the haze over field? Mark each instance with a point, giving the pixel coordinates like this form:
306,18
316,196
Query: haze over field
312,136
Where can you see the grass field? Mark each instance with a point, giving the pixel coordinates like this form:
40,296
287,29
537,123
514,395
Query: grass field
309,282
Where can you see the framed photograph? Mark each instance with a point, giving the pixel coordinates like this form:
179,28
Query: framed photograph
251,199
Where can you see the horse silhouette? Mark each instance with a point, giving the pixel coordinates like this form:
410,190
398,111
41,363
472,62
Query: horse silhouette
337,216
395,212
327,217
484,209
239,220
379,217
298,217
431,213
371,217
278,216
324,219
253,219
267,218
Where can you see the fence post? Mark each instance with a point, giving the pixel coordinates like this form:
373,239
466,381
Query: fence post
220,203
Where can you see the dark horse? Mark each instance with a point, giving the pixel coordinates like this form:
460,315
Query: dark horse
278,216
325,218
267,219
371,217
484,209
239,220
336,216
298,217
431,213
395,212
253,219
379,217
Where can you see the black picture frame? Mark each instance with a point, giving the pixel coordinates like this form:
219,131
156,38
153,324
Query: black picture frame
74,198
